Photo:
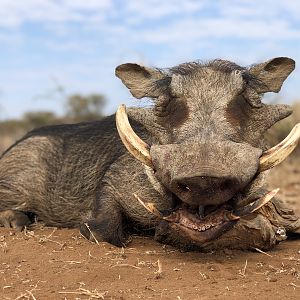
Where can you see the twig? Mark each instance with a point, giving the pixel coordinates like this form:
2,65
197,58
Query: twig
294,285
204,276
30,293
125,265
91,256
72,262
4,247
263,252
54,229
81,291
159,272
243,271
150,207
88,227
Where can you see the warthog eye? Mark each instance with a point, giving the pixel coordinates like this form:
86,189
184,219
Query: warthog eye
225,184
183,187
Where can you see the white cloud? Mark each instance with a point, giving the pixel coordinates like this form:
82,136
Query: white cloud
172,20
96,35
266,9
87,5
211,28
10,39
157,9
15,13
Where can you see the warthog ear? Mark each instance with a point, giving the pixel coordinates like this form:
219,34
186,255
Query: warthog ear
272,73
141,81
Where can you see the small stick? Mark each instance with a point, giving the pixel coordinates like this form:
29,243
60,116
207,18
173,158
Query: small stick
81,291
263,252
72,262
88,227
30,293
125,265
148,206
22,296
91,256
243,271
159,271
49,236
294,285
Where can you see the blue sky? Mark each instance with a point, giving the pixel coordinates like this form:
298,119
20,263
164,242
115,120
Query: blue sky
78,43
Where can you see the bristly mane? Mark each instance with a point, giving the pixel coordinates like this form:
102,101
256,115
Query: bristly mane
220,65
196,66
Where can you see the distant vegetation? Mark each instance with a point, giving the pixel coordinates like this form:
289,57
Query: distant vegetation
84,108
77,108
280,130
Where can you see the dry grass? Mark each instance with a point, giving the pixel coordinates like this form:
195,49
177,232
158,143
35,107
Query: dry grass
91,233
242,272
159,272
28,294
94,294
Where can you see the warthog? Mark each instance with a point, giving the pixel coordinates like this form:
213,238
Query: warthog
194,171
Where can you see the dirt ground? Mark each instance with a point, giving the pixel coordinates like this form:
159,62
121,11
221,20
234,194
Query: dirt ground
50,263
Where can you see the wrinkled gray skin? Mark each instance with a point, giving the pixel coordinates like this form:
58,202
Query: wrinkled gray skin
206,132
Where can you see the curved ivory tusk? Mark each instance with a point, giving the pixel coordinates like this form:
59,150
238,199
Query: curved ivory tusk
254,206
281,151
137,147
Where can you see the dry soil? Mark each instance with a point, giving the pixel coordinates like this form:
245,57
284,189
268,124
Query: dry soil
50,263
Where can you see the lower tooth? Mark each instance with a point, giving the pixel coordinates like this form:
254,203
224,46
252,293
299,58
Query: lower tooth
203,228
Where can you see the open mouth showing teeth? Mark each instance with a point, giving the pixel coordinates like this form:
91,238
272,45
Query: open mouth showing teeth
194,224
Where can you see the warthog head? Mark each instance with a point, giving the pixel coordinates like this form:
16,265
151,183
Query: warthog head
208,125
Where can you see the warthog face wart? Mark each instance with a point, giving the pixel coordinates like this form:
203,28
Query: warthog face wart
207,133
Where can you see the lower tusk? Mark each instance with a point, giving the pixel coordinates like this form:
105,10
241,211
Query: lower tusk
149,206
137,147
254,206
281,151
231,216
264,200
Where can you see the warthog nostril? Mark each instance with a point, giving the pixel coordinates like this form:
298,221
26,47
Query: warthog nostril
205,185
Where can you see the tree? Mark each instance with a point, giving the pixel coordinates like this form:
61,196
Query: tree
39,118
85,108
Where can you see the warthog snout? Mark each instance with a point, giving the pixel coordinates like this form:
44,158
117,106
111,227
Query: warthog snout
204,189
200,173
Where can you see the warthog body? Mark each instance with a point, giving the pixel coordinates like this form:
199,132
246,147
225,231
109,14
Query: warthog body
205,132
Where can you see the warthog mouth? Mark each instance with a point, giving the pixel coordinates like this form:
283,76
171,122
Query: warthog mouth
203,224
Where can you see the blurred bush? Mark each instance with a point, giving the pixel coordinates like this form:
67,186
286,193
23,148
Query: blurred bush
85,108
11,131
77,108
280,130
39,118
